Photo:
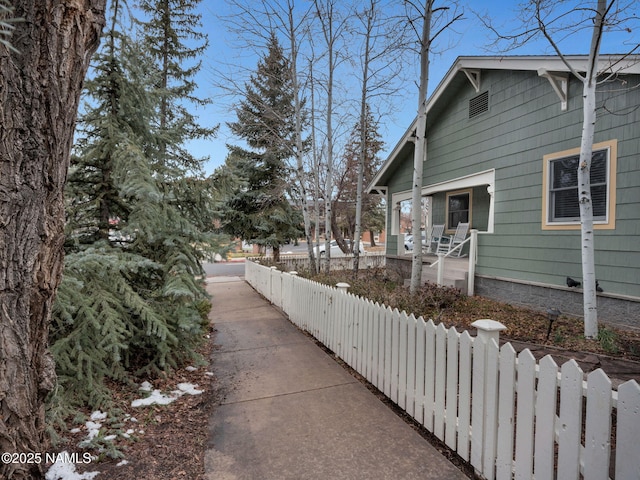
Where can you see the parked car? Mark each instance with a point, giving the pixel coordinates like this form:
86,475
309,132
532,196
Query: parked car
408,242
335,249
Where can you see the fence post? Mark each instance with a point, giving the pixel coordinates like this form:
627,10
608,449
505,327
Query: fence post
343,287
488,330
484,408
286,293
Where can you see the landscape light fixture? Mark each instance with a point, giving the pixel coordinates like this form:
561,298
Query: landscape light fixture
552,315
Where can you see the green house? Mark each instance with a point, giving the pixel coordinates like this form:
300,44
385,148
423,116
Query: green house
503,135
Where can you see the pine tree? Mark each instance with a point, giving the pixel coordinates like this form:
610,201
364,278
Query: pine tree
7,21
112,134
129,302
260,211
175,44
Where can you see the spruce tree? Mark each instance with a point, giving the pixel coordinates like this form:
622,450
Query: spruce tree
174,43
260,211
129,302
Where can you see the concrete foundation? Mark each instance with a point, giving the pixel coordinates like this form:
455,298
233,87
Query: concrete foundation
622,312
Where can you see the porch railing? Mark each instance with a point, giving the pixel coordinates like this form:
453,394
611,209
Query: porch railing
472,240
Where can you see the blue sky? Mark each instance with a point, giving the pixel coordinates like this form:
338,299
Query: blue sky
470,38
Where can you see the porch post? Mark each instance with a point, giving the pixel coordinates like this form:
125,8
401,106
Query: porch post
429,222
440,275
490,191
473,257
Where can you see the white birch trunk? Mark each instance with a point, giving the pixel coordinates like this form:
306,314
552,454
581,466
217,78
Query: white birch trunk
326,20
306,207
329,181
316,165
361,158
584,181
363,140
586,215
420,150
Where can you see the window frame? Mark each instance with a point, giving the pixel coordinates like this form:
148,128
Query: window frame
608,223
469,192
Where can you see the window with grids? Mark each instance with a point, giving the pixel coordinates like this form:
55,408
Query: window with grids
458,208
563,188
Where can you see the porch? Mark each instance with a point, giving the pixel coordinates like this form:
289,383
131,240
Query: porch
446,270
455,272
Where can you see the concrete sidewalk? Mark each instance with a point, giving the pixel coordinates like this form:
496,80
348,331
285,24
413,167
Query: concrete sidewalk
289,411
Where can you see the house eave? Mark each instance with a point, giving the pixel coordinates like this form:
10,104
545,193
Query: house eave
373,185
624,64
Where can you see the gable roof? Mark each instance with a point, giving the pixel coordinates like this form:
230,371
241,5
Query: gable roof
468,69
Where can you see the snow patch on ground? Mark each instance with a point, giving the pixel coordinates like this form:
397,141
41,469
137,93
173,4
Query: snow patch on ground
146,387
93,427
62,470
67,471
188,388
156,397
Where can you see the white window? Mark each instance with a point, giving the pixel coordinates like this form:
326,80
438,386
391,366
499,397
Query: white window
561,207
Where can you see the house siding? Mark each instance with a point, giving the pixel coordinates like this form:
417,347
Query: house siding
524,123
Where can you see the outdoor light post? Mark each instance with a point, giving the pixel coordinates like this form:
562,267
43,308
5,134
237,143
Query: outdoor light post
552,315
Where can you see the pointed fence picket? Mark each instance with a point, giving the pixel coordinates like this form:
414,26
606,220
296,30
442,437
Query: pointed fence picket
464,405
506,414
543,465
451,408
429,375
506,410
627,458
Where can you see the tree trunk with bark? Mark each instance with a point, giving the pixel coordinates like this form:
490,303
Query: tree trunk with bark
369,15
40,86
420,148
590,301
299,143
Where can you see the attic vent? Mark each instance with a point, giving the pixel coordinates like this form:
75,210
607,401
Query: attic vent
479,104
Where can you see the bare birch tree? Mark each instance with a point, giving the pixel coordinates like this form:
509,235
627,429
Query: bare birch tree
332,28
294,35
555,21
439,18
378,66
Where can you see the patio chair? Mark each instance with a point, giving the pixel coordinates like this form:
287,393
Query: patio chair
446,244
434,236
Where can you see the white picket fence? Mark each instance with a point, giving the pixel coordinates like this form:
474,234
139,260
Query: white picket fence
503,412
300,262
